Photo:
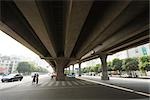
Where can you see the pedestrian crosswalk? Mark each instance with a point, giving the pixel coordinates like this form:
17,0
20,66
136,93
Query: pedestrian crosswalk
53,83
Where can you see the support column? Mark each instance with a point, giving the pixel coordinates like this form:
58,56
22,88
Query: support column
60,65
79,68
104,67
69,70
73,68
60,74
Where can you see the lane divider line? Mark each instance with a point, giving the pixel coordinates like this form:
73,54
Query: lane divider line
117,87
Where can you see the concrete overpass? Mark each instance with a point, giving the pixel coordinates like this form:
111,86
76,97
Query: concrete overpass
66,32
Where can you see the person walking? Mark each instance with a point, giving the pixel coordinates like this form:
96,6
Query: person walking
37,78
34,78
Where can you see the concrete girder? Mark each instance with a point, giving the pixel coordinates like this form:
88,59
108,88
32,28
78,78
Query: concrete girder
131,42
135,27
78,13
14,35
111,14
127,15
128,32
36,23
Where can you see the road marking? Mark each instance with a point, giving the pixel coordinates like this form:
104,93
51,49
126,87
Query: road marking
50,84
69,83
75,83
88,83
43,84
118,87
81,83
63,83
57,83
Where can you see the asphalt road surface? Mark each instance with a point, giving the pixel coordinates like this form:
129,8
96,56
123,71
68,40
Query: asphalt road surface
142,85
49,89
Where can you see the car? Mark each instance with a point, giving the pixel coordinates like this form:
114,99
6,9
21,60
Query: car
12,77
71,75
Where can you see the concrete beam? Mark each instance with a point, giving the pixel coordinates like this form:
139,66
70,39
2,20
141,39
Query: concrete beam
18,38
128,32
138,25
32,14
78,12
109,16
130,43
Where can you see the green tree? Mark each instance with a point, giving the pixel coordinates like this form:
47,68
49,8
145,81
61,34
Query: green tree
24,67
91,68
144,64
96,69
117,65
131,64
109,66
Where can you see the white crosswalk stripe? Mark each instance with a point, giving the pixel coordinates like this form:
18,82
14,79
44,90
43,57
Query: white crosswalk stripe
57,83
25,85
43,84
88,83
63,83
81,83
75,83
69,83
51,83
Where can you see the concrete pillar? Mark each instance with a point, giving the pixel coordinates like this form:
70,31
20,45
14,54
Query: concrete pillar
60,74
73,68
69,70
79,68
60,65
104,67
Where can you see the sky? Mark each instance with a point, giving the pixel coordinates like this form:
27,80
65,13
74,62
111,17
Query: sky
10,47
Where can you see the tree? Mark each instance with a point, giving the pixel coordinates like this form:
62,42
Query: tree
144,64
95,68
91,69
109,66
28,67
131,64
117,65
24,67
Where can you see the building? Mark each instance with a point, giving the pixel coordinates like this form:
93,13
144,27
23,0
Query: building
8,63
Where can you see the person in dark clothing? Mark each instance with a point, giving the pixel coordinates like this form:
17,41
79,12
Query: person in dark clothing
34,78
37,78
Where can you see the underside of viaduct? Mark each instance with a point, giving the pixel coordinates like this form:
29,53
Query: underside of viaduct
66,32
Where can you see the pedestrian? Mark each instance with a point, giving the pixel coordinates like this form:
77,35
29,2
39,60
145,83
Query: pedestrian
34,78
37,78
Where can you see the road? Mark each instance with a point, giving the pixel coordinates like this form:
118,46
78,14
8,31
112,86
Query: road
26,79
141,85
76,89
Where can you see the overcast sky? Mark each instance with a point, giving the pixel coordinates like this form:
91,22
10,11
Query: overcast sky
10,47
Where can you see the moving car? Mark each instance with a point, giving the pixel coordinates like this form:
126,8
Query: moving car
12,77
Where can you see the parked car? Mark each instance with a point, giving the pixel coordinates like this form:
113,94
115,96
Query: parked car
71,75
12,77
